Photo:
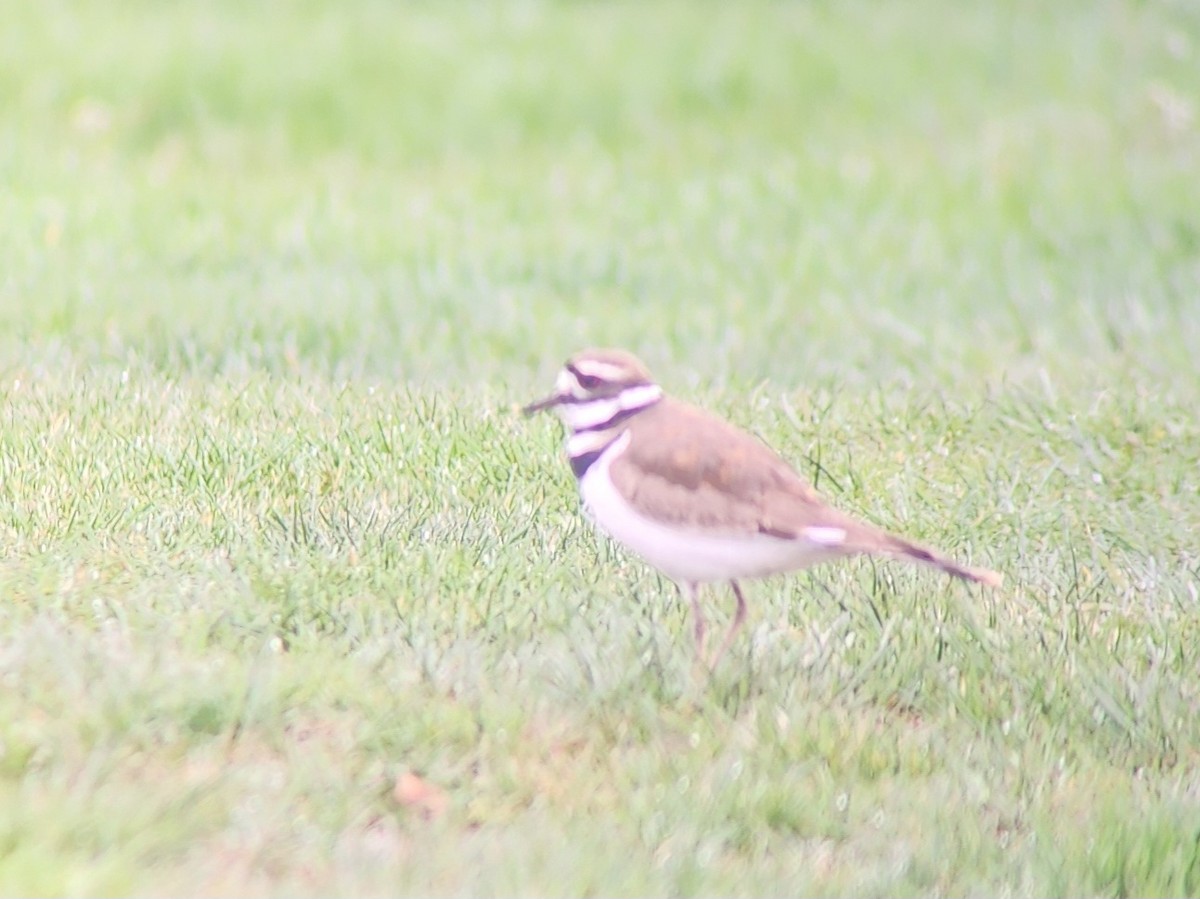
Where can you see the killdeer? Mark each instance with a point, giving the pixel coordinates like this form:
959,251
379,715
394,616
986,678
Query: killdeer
700,500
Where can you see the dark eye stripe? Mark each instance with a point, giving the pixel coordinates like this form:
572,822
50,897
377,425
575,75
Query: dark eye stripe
586,381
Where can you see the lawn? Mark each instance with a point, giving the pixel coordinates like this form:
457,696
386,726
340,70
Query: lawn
293,601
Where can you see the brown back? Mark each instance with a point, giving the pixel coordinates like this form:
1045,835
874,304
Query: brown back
687,467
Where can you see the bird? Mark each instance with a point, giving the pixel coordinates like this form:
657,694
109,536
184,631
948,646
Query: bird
697,498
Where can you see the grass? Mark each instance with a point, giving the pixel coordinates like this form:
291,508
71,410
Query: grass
295,603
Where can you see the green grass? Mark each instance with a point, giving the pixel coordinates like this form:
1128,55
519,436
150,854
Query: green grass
273,279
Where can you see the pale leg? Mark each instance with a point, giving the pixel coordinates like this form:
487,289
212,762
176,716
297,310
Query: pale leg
700,629
739,618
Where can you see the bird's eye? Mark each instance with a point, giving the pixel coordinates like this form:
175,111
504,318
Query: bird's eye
587,382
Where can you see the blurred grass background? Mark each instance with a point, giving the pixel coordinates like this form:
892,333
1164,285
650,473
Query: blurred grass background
293,603
426,190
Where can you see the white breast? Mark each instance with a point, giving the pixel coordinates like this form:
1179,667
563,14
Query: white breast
689,556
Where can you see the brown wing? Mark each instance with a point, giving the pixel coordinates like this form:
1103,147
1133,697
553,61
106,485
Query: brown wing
687,467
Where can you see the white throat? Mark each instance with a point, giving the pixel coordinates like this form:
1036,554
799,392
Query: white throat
588,415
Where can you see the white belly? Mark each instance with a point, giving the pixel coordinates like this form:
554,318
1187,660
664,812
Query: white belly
688,556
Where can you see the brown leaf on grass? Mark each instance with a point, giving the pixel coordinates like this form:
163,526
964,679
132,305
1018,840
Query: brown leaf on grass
420,795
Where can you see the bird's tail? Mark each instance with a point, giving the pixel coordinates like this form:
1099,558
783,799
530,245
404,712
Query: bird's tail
905,549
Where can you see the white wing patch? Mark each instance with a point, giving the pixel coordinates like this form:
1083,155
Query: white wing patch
825,536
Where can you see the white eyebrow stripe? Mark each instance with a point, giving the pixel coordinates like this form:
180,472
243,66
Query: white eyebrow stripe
605,371
825,536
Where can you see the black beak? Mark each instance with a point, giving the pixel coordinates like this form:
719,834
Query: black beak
549,402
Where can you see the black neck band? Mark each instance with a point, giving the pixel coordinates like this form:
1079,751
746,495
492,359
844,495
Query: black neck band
580,464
